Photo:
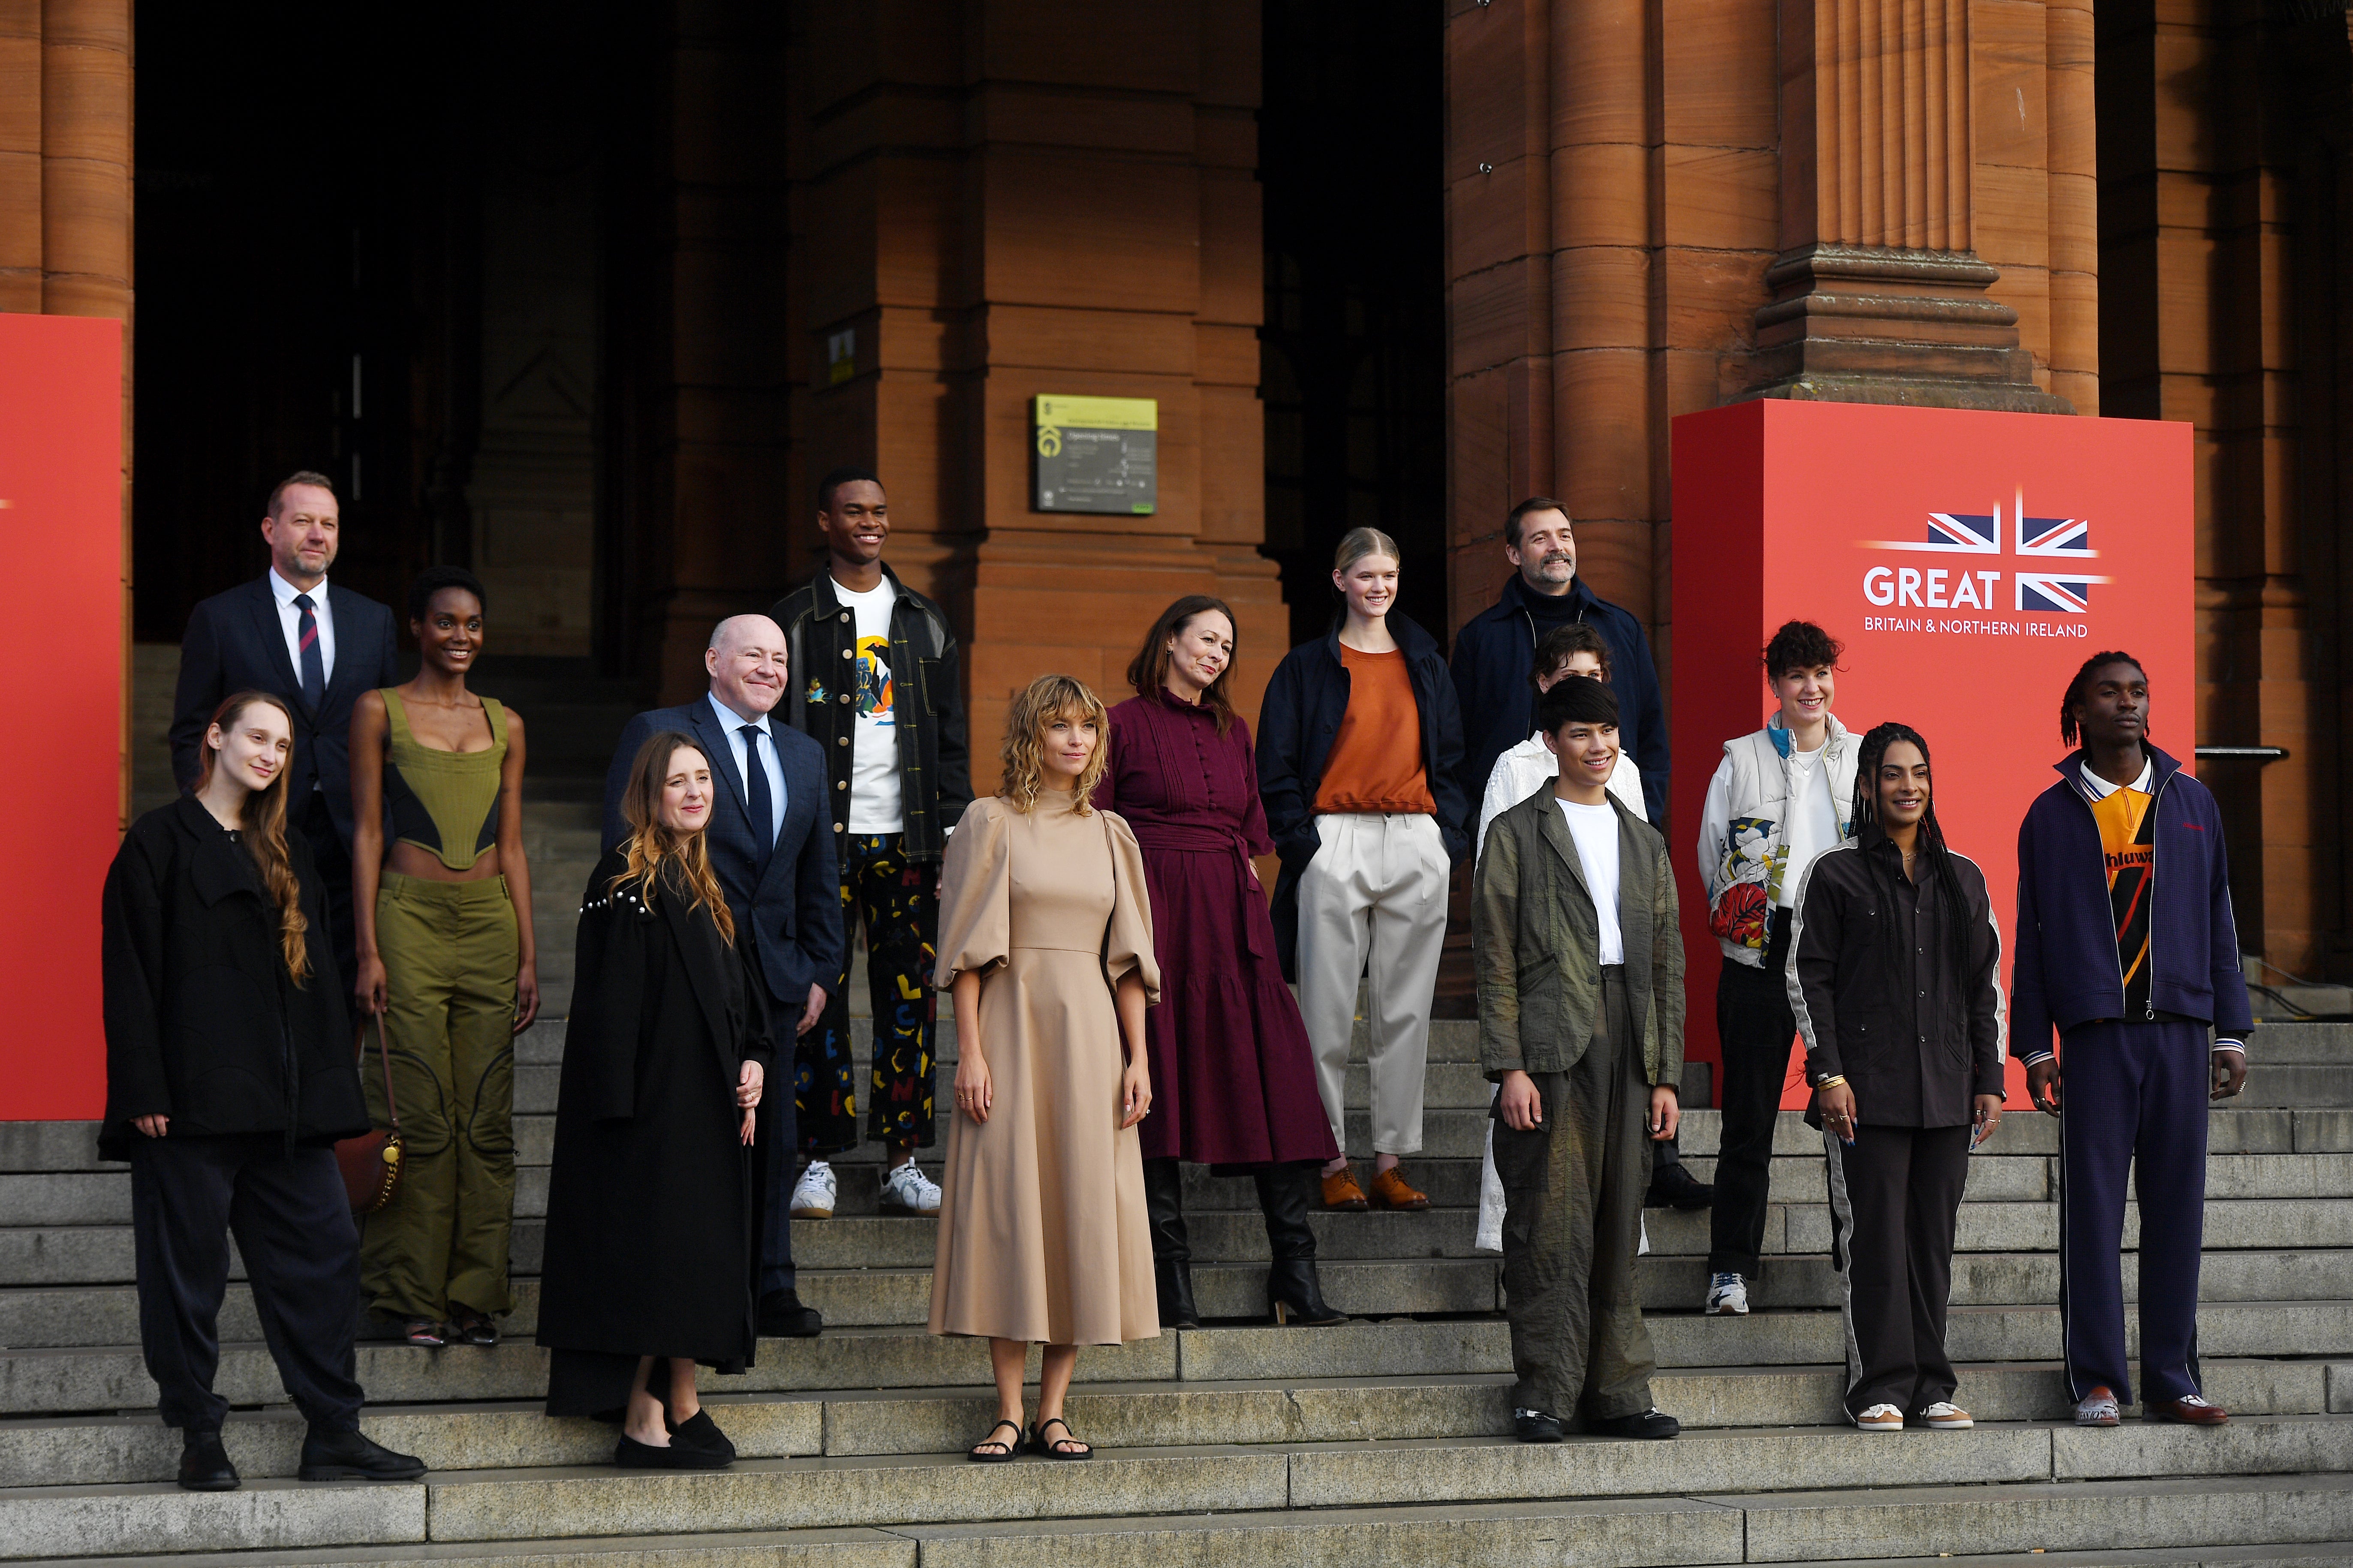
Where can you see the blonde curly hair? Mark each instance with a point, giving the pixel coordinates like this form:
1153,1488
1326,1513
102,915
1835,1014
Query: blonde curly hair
1023,755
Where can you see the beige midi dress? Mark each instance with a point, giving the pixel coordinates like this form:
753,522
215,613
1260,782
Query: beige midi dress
1042,1232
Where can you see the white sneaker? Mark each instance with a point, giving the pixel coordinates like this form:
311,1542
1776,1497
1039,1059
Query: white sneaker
814,1193
1881,1418
1727,1294
907,1189
1946,1416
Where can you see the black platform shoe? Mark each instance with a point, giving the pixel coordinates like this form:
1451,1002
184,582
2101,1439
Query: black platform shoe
699,1431
1674,1187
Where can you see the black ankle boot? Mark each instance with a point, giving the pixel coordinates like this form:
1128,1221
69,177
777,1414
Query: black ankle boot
1293,1290
1172,1252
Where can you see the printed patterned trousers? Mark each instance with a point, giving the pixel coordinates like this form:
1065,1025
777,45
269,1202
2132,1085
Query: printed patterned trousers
898,901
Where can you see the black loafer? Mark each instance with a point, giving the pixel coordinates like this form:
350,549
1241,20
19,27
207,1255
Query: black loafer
355,1457
782,1317
699,1431
1652,1423
632,1455
1535,1426
203,1463
1673,1187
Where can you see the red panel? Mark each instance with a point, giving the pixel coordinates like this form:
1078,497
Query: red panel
62,643
1828,509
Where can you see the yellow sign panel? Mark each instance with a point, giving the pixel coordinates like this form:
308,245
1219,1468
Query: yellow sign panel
1098,412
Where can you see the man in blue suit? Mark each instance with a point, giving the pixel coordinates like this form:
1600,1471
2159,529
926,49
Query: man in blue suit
285,634
770,841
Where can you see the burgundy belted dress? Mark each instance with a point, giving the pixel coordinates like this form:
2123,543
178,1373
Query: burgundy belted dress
1233,1080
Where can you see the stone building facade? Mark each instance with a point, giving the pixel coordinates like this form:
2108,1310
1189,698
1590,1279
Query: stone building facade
587,299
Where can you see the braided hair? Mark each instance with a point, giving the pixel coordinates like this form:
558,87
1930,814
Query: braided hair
1934,856
2080,690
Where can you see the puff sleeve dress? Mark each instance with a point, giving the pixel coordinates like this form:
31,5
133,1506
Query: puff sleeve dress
1042,1232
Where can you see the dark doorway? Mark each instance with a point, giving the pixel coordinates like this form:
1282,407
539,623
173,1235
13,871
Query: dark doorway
1353,356
369,245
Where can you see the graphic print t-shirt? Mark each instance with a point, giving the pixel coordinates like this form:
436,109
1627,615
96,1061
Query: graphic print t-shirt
874,746
2128,840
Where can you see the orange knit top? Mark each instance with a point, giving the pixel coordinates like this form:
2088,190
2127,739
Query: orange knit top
1376,761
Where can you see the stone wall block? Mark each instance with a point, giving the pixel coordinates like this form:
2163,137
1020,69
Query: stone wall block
20,224
1601,72
1719,85
1041,337
1487,118
2008,49
1142,230
1135,46
86,227
1500,315
1721,198
2013,207
1613,554
1601,298
1233,488
1601,195
1231,46
84,23
1233,249
1499,216
1601,432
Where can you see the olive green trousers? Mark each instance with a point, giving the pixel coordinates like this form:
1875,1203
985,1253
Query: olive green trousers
1572,1222
450,955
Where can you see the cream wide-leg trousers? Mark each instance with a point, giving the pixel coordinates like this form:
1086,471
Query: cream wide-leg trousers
1376,887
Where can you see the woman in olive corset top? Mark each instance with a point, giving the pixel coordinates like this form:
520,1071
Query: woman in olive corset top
447,962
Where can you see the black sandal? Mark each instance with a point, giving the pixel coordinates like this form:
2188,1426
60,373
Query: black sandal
475,1329
1040,1443
978,1454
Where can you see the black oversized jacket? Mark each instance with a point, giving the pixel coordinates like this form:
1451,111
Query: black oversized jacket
1914,1039
202,1023
927,706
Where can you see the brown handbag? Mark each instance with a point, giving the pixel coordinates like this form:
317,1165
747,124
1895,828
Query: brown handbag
371,1161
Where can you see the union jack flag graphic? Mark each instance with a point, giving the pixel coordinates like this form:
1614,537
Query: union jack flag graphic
2065,542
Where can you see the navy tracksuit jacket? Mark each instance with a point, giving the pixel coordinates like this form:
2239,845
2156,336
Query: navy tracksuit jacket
2134,1089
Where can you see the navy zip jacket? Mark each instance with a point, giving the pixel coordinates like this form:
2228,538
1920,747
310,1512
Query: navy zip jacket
2066,971
1296,723
1492,655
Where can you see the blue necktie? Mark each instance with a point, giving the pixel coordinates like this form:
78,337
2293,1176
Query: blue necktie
757,799
315,663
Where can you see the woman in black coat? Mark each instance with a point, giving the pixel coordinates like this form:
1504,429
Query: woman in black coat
651,1245
229,1075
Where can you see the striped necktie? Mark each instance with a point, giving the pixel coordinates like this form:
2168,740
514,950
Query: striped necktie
315,663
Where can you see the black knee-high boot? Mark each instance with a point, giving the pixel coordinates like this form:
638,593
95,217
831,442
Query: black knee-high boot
1172,1251
1293,1290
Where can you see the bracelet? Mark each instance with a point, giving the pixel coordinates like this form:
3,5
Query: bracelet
1830,1082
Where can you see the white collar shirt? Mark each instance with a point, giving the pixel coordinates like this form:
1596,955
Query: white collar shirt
290,618
731,724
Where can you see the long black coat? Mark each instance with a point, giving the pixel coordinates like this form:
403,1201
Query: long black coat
202,1023
653,1201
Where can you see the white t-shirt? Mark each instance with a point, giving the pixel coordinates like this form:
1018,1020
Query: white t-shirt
1595,828
1813,822
874,804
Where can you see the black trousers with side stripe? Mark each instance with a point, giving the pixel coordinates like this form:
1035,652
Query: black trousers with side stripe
1895,1197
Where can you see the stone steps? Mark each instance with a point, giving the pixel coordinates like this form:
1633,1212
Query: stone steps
1998,1488
74,1380
118,1449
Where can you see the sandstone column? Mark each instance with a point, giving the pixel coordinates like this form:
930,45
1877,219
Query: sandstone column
1879,294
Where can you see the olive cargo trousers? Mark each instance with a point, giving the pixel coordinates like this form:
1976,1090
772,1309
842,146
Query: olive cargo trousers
450,953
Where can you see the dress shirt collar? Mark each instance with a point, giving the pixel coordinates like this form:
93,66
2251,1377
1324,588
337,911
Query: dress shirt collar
284,592
732,722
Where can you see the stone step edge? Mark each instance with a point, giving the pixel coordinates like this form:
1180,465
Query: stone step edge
1403,1382
882,1546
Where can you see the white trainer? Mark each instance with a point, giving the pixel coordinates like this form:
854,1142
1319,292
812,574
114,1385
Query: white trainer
1944,1416
1881,1418
1727,1294
908,1190
814,1193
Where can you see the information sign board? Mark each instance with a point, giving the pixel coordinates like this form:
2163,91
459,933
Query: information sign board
1095,454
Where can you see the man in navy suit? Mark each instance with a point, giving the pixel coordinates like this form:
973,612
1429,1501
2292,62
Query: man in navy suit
285,634
771,843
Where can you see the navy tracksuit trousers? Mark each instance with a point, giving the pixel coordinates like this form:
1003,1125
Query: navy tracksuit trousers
2133,1102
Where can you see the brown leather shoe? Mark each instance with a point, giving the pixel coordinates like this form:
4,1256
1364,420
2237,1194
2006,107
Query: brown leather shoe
1341,1191
2191,1411
1390,1188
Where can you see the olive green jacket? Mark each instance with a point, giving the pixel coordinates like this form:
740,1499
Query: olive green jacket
1535,938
